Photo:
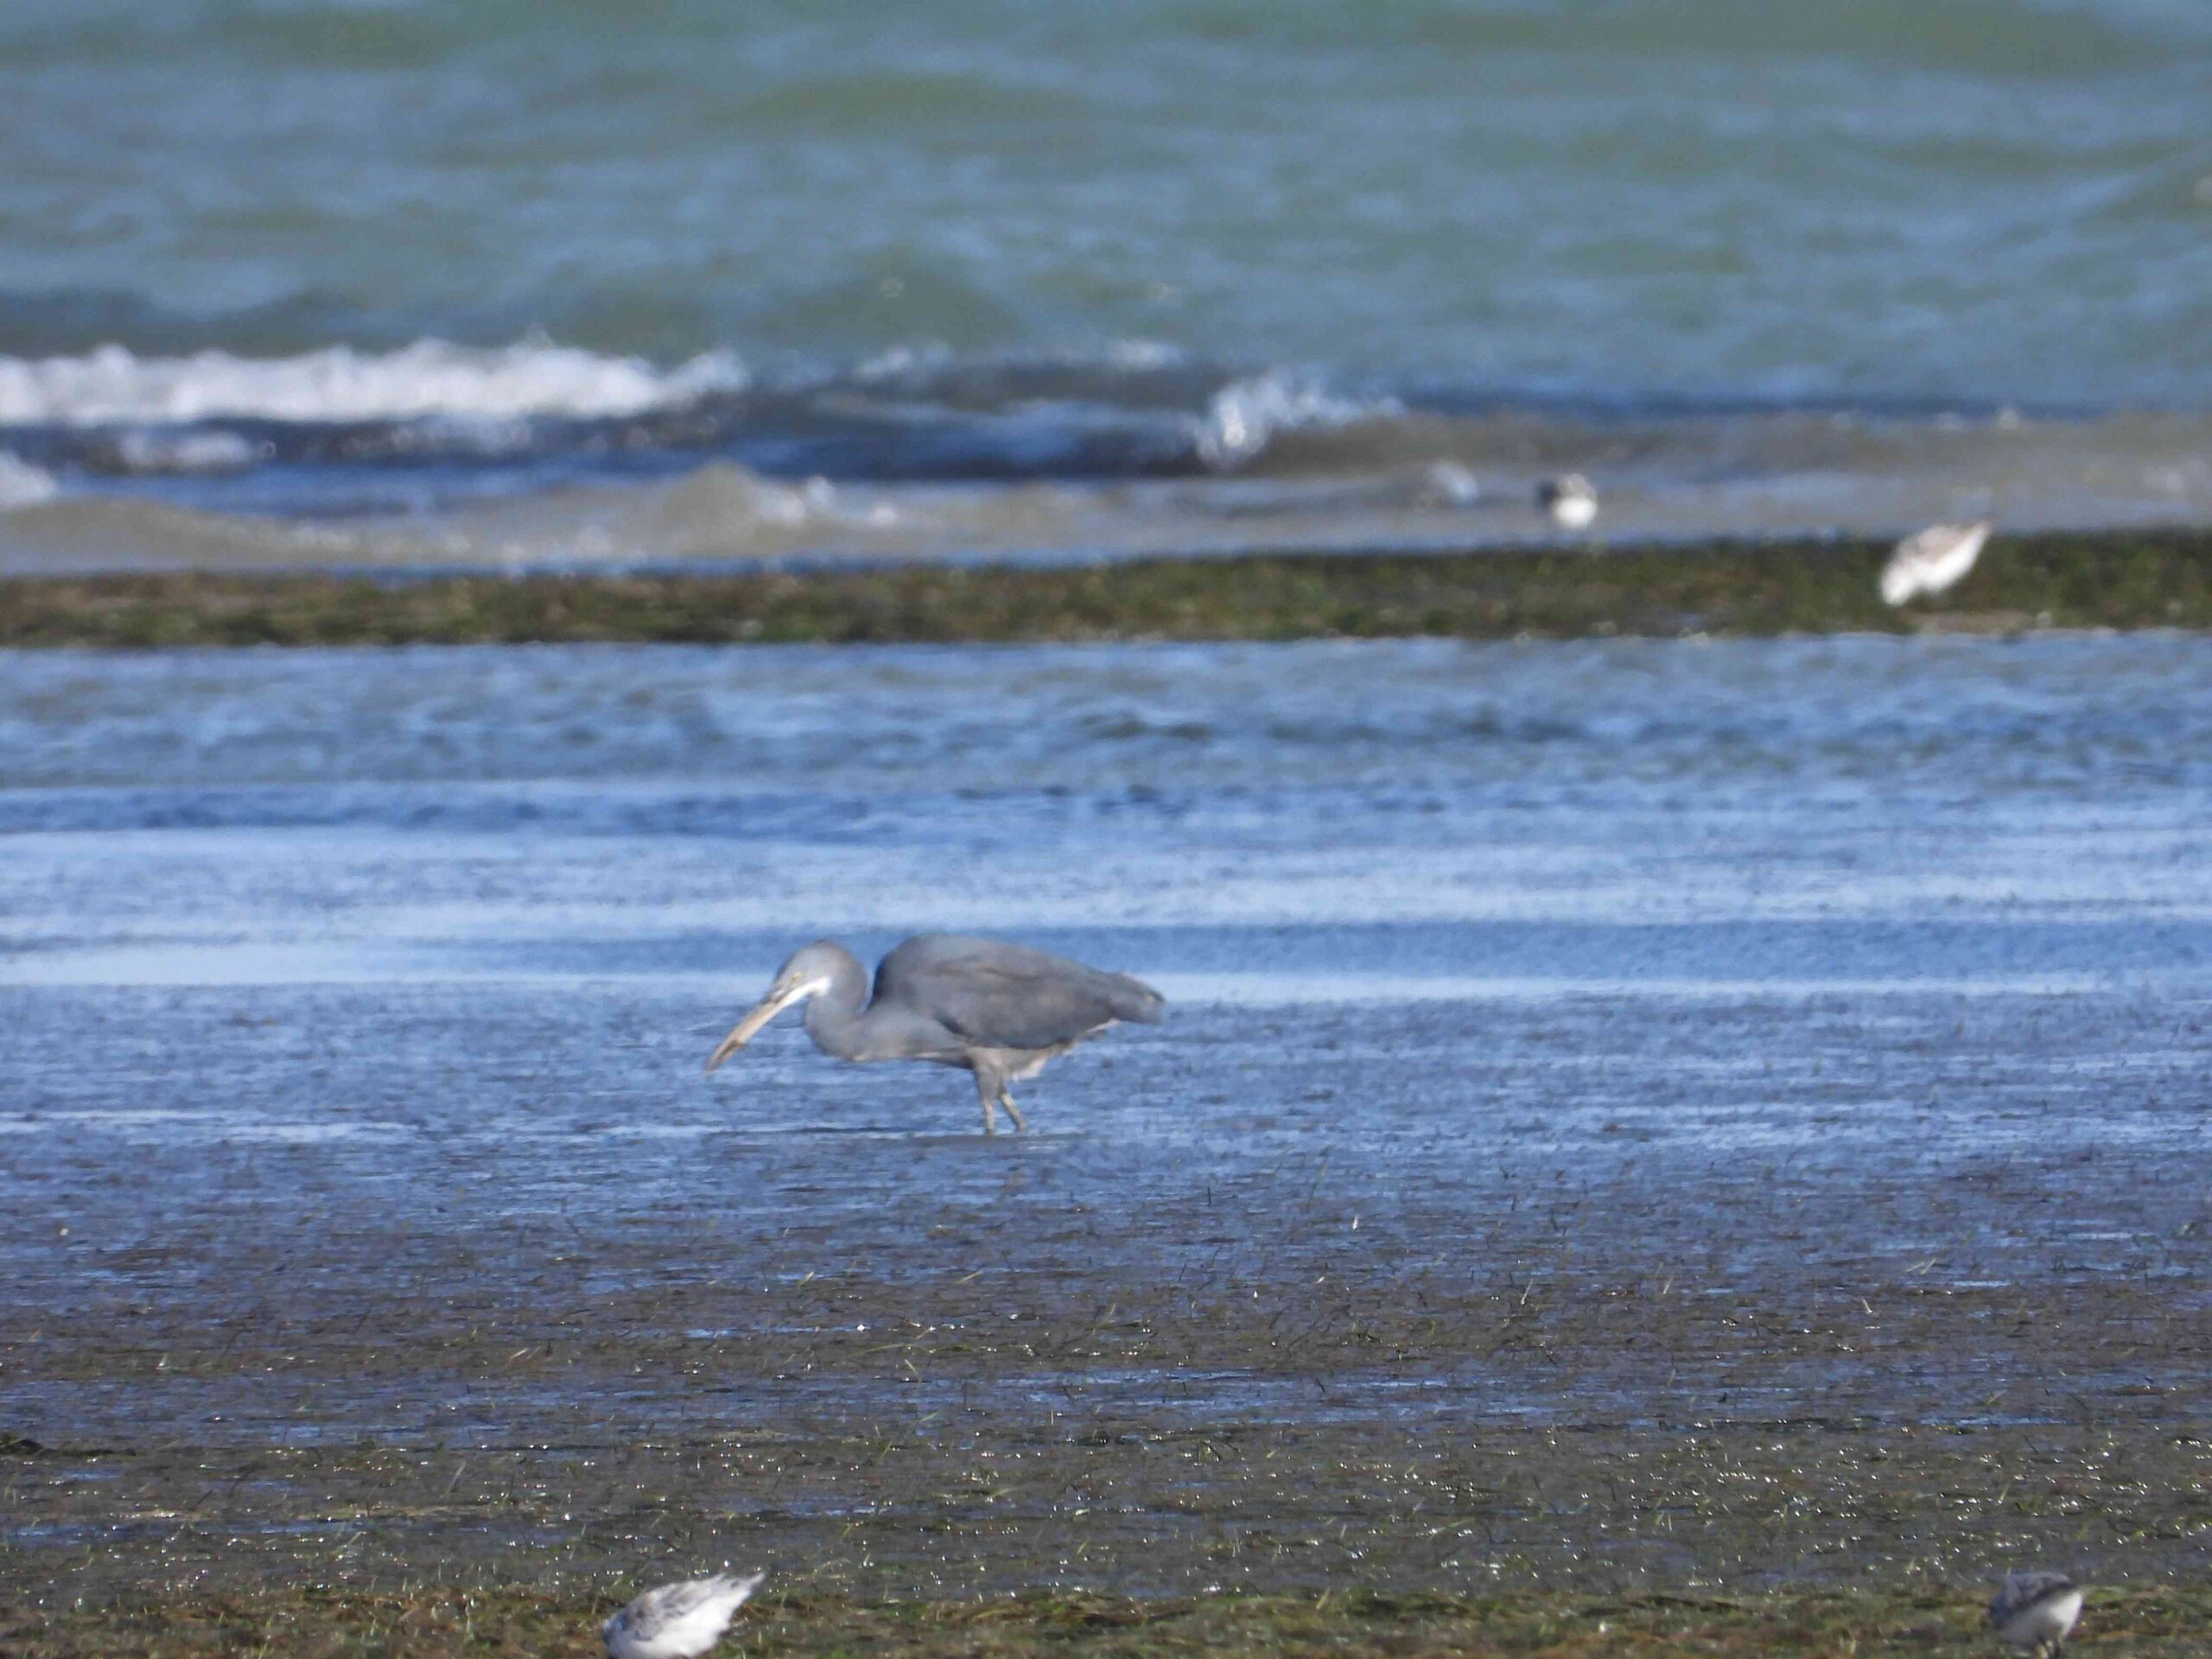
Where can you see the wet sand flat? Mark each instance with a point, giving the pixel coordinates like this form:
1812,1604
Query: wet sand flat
1633,1116
1393,1335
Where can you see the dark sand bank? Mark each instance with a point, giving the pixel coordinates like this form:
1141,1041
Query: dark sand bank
2118,579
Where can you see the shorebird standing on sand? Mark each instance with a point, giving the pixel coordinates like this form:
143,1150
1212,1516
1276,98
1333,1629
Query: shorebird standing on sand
678,1621
2035,1611
1931,560
1572,501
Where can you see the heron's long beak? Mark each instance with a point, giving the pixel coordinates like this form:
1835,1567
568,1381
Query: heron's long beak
769,1006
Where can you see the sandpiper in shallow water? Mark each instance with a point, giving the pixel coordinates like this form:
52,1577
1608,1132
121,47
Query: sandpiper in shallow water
1000,1010
1448,484
678,1621
1571,499
1932,560
2035,1611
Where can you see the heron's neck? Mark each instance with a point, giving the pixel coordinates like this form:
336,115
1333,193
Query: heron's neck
835,1017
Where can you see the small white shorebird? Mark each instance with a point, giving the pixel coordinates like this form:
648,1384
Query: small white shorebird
2035,1611
1448,484
678,1621
1572,501
1931,560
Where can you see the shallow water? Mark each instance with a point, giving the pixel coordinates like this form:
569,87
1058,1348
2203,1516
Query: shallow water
1617,1037
296,262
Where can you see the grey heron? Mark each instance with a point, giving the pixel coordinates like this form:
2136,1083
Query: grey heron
1000,1010
678,1621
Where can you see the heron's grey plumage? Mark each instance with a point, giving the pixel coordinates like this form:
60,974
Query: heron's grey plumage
999,1010
1008,995
678,1621
2035,1611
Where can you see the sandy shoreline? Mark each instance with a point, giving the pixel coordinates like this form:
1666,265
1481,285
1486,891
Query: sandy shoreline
2116,579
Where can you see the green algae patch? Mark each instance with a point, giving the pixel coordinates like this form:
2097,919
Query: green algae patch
2152,1621
2101,579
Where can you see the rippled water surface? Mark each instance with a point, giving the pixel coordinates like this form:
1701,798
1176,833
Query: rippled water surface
1222,816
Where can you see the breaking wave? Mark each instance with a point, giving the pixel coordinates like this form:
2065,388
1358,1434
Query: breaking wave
1134,410
535,455
1245,416
22,485
112,386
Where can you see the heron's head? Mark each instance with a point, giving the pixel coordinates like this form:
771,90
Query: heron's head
809,973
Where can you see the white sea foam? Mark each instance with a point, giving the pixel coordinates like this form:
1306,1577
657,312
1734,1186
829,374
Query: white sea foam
428,378
1145,354
895,362
160,449
1245,414
22,485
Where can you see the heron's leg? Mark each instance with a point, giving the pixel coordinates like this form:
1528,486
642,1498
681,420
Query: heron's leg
1014,1111
987,1090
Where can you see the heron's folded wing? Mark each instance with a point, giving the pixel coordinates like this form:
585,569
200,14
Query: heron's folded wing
1014,998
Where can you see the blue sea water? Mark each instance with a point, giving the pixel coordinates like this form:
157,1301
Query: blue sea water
1752,266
